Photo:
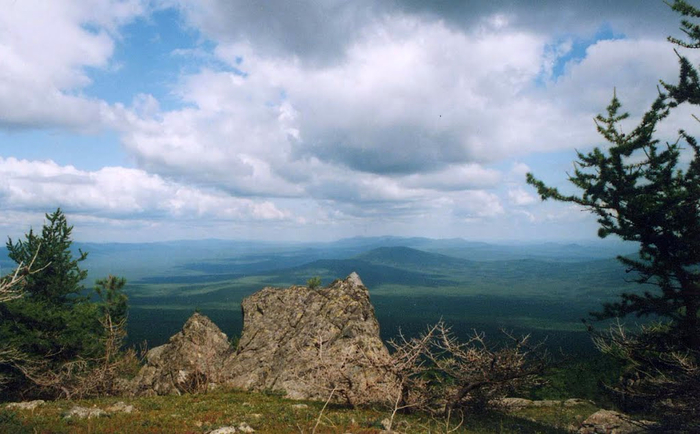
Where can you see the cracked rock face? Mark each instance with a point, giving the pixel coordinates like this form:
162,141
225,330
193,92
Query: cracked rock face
301,341
190,362
307,341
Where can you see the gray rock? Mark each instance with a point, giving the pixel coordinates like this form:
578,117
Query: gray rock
120,407
191,361
612,422
518,403
25,405
297,339
547,403
513,403
244,427
224,430
84,413
573,402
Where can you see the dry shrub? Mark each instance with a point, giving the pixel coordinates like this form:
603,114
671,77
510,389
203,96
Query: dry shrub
81,378
12,285
440,374
436,373
662,375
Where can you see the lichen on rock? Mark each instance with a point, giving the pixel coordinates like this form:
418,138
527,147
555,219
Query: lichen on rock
191,361
307,342
302,341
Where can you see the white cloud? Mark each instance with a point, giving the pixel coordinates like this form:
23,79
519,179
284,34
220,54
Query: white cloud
45,50
520,197
405,119
360,111
455,178
518,170
477,204
408,97
117,192
631,66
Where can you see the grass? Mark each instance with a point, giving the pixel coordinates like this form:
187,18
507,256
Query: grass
269,413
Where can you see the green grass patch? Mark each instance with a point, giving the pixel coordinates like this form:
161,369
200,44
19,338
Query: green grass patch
270,413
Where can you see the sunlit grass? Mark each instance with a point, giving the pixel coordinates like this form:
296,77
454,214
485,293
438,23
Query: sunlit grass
270,414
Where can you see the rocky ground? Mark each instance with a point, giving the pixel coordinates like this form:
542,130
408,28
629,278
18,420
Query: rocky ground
229,411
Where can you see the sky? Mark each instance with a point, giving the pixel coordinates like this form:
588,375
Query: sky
152,120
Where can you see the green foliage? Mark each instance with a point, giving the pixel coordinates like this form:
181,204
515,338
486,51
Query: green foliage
59,280
644,191
56,321
583,378
641,192
113,301
314,282
11,423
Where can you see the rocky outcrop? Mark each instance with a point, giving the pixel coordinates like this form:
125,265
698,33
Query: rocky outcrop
191,361
308,342
301,341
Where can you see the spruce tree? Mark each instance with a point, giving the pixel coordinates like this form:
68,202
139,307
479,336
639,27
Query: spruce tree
55,321
641,191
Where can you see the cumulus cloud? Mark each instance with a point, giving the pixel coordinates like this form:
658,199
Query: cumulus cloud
117,192
46,49
405,111
358,110
477,204
407,98
314,30
520,197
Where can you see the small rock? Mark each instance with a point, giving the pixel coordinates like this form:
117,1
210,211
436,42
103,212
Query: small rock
573,402
120,407
256,415
84,413
514,403
547,403
26,405
611,422
244,427
300,406
223,430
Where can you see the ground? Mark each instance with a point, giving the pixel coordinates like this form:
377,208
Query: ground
272,413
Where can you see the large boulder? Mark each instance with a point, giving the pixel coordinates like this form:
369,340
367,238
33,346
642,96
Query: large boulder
310,342
191,361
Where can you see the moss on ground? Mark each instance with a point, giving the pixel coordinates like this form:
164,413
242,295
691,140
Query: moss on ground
268,413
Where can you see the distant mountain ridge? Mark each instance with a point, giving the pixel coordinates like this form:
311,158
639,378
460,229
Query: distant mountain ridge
407,256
